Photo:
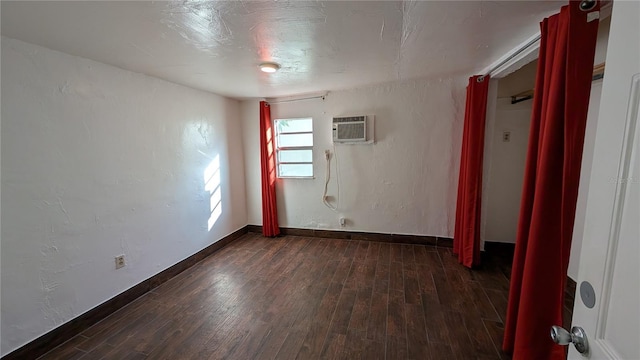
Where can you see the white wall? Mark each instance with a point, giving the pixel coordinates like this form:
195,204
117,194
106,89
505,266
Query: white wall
405,183
250,120
506,171
519,81
97,162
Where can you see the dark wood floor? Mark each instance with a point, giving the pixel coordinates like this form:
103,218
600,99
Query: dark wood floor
296,297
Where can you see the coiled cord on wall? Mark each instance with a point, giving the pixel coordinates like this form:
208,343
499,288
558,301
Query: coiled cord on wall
327,178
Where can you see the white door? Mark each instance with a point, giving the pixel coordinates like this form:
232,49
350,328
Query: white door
610,257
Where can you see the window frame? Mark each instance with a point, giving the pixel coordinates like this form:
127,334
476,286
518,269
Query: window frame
279,148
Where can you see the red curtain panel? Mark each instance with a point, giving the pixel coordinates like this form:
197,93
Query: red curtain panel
268,169
550,190
466,239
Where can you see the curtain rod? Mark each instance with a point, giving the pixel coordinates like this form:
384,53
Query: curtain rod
510,57
585,5
301,99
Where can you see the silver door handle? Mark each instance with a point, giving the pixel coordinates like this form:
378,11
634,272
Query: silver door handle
577,337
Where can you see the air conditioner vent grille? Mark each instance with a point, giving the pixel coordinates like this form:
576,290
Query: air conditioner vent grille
352,131
349,119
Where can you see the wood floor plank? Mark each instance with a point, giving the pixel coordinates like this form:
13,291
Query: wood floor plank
452,292
354,344
352,246
155,334
181,334
333,346
126,332
396,348
272,343
411,285
396,276
336,247
420,254
491,280
98,333
436,323
98,352
427,286
479,336
355,274
408,256
499,300
122,352
458,337
396,325
291,345
207,338
67,350
482,303
373,350
496,332
384,253
342,314
316,336
416,332
372,252
230,342
369,273
361,251
395,252
381,278
253,341
343,271
377,325
360,313
439,351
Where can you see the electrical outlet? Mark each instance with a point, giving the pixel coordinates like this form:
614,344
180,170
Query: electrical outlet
120,261
506,136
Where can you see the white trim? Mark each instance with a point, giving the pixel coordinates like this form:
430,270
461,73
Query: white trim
531,53
522,59
308,96
492,99
628,146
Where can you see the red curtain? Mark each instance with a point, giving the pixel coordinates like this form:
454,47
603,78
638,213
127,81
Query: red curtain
550,190
466,239
268,169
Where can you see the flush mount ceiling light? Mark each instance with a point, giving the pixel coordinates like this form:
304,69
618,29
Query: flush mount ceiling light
269,67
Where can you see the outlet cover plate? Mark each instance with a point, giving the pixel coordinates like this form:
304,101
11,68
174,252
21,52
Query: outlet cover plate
120,263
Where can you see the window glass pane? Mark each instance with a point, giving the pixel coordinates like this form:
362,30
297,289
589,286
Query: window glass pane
296,170
295,155
292,140
294,125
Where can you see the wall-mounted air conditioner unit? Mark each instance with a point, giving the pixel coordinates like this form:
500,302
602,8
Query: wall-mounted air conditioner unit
353,129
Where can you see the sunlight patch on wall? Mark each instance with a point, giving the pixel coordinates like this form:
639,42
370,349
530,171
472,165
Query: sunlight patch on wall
212,185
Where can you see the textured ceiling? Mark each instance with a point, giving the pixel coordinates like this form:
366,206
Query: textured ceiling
217,45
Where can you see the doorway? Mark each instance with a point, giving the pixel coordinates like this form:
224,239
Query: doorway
506,139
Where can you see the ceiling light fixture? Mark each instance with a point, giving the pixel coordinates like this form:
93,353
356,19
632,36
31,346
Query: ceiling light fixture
269,67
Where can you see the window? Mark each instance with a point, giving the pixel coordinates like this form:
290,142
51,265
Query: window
294,147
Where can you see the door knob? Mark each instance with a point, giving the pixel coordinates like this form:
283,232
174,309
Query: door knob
577,337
